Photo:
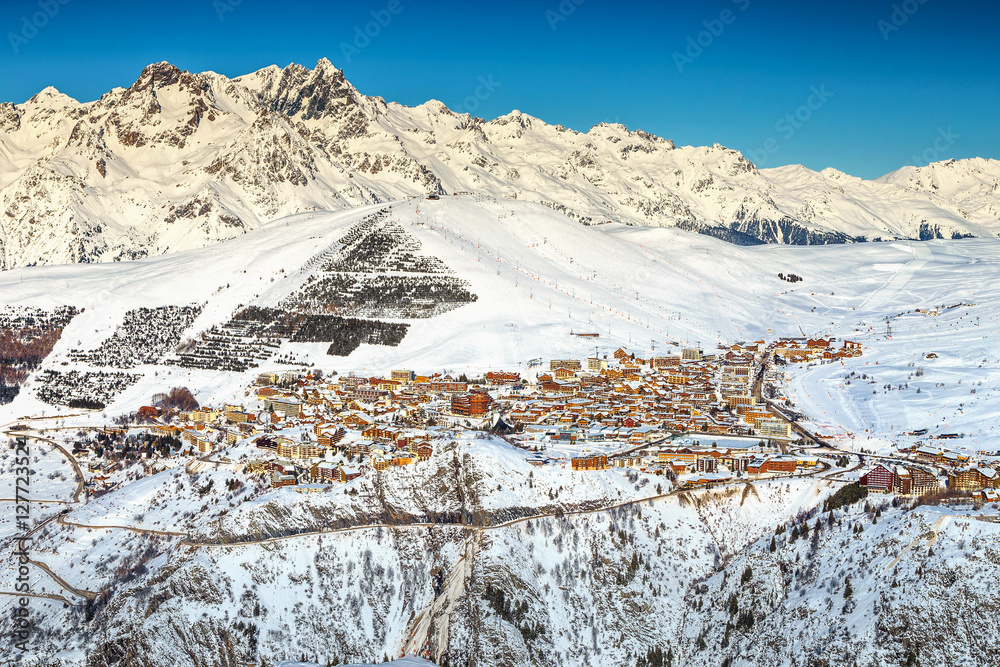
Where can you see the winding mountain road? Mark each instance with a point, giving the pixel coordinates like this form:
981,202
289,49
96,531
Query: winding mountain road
72,459
42,596
142,531
79,592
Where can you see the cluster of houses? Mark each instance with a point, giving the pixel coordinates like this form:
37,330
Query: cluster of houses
332,430
309,429
703,466
799,350
312,428
638,400
928,469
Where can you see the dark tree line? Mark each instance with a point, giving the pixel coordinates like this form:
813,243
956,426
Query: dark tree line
352,333
376,245
235,346
385,296
344,333
656,657
254,333
319,312
88,390
845,495
27,336
144,337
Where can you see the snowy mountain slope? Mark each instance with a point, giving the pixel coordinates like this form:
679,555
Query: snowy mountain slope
180,160
361,594
967,206
54,482
601,588
538,277
938,373
692,576
402,662
479,482
906,587
972,184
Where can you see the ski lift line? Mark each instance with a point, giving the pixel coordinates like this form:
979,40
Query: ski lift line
503,261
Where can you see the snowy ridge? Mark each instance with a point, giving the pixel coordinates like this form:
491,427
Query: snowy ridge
180,160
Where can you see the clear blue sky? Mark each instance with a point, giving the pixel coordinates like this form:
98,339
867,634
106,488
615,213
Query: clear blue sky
930,69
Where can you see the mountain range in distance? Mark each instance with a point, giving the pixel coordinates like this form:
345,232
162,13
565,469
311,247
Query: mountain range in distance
180,160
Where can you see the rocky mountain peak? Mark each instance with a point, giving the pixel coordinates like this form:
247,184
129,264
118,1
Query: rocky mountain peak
302,93
157,75
51,98
10,119
324,65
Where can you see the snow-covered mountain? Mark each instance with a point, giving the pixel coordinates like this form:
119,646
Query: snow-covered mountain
353,574
180,160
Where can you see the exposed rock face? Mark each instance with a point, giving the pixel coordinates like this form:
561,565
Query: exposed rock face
104,180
